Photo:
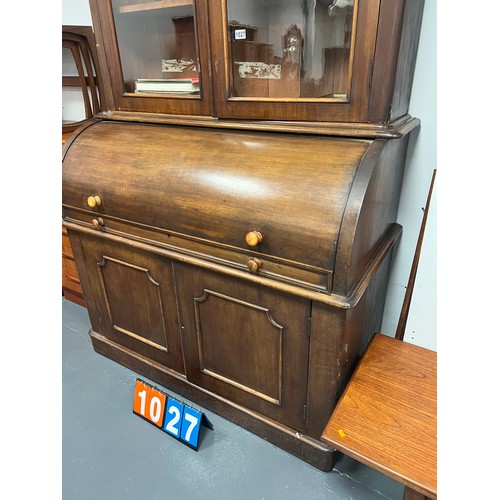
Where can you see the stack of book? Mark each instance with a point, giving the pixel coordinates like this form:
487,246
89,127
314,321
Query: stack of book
167,86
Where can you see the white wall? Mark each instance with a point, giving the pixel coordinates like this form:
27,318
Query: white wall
422,324
76,12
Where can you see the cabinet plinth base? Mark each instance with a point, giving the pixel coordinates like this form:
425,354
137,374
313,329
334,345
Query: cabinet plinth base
308,449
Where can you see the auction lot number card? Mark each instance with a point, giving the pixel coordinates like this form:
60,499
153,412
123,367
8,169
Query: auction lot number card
172,416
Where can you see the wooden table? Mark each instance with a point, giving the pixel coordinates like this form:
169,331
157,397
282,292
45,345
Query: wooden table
386,417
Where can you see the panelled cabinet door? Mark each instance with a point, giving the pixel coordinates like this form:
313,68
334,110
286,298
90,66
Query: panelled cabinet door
245,343
131,298
157,54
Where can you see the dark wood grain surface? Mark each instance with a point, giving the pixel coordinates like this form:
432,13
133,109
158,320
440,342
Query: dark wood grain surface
256,329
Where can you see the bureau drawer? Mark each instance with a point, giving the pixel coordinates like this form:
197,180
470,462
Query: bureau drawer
66,245
67,251
70,277
255,262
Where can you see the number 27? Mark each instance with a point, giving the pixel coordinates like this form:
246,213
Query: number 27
182,422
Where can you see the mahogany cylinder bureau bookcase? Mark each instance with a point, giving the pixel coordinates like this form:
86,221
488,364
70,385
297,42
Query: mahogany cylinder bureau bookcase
232,210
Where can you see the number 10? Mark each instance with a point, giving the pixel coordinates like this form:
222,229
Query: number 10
149,403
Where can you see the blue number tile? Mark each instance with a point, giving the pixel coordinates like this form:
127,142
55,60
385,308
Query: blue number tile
191,426
173,417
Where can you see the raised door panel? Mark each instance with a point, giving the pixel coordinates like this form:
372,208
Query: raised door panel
132,297
247,344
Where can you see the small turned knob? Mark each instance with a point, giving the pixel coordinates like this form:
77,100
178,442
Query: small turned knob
253,265
98,223
253,238
94,201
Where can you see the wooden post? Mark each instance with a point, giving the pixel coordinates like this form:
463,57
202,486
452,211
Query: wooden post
400,331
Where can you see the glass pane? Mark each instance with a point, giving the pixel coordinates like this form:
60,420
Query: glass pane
157,45
68,63
73,106
290,48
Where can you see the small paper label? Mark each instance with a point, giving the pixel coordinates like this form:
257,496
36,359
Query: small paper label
259,70
177,65
240,34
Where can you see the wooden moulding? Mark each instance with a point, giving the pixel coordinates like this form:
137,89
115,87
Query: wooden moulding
348,301
155,5
304,447
394,130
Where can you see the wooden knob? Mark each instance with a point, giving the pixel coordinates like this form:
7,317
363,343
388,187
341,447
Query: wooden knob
94,201
98,223
253,265
253,238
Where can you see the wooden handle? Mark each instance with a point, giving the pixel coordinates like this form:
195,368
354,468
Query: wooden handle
98,223
94,201
254,264
253,238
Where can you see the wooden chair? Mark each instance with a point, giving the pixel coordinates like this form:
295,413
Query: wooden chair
80,41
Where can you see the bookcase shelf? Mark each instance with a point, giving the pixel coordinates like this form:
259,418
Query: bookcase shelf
160,4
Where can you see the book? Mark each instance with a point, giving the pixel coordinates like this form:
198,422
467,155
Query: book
173,85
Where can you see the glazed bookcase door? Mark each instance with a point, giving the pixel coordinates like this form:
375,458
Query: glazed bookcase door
245,343
152,43
293,59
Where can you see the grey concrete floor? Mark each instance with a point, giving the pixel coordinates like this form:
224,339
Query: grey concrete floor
109,453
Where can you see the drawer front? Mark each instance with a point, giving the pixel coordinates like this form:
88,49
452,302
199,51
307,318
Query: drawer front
251,261
70,277
67,251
